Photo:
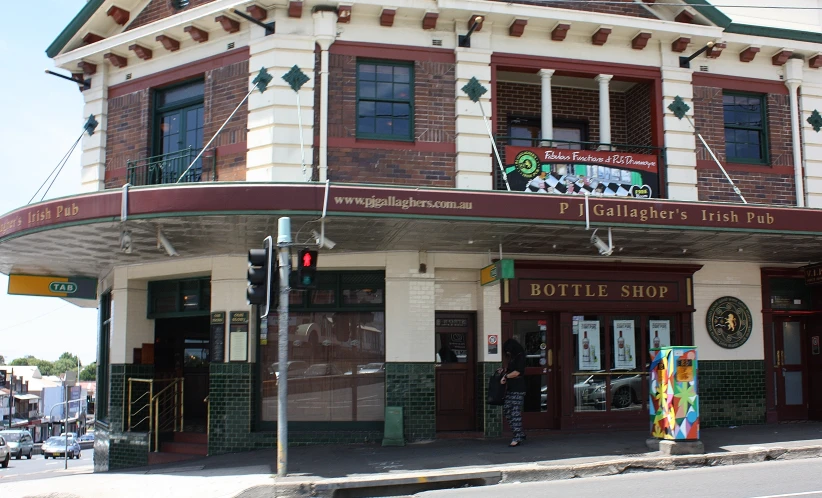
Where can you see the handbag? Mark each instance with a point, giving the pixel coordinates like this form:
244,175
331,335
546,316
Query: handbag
496,391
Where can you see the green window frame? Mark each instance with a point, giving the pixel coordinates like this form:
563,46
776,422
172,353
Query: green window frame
385,100
103,357
179,298
746,127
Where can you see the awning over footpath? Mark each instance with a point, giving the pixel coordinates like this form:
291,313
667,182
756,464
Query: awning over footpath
32,398
80,235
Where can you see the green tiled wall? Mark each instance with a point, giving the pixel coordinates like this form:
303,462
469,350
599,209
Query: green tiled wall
230,406
411,386
491,423
731,392
129,449
117,396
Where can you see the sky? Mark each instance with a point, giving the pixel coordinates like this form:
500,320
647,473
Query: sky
43,118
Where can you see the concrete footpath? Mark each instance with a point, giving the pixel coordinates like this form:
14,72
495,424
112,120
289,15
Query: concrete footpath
371,470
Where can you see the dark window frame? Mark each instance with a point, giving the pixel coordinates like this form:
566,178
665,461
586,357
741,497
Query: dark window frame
180,106
764,150
103,357
410,136
204,289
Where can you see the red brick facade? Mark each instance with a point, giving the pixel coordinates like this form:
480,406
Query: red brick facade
619,7
428,161
758,183
160,9
130,124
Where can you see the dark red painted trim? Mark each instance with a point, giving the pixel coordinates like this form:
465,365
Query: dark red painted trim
658,131
748,168
360,143
395,52
739,84
225,150
179,73
494,113
573,67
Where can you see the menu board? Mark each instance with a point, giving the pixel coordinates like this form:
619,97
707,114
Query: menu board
218,337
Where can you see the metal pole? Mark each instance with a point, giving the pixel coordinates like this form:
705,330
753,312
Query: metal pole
711,152
494,146
284,243
65,415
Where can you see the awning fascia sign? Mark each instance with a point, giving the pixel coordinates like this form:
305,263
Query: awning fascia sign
53,286
501,270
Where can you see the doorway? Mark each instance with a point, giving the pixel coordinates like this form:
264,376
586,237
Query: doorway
789,372
539,337
455,371
182,350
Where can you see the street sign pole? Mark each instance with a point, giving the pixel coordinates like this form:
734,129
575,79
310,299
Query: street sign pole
284,244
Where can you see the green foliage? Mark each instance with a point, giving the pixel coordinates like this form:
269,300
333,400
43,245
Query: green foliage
2,360
66,362
89,372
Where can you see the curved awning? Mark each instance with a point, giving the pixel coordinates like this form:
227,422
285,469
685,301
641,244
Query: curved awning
80,235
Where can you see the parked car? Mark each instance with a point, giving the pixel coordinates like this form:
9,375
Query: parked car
371,368
294,369
20,442
86,441
321,369
625,390
55,446
5,454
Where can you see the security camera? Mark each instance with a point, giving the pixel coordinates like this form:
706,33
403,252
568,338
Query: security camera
323,241
125,241
163,242
603,248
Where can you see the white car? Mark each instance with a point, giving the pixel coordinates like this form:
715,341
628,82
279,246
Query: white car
5,453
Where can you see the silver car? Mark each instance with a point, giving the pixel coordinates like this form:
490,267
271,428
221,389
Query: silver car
5,454
20,442
55,446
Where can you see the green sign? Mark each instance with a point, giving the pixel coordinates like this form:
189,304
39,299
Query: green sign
67,287
501,270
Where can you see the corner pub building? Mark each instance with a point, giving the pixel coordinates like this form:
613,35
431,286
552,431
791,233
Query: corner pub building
591,111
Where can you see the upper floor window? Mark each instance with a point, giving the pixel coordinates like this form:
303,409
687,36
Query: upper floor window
745,128
179,137
385,100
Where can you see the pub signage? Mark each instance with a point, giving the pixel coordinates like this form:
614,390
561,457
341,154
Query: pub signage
813,274
576,290
729,322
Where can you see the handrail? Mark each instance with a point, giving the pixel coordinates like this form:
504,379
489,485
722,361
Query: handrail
167,168
165,407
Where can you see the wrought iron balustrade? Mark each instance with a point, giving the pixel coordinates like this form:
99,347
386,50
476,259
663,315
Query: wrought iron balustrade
167,168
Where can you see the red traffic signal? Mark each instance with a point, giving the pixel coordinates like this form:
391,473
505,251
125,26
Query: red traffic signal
306,267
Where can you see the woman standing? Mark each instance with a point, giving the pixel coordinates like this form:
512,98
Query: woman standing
515,394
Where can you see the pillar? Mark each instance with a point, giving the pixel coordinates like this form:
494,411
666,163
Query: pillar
604,81
793,73
680,140
93,158
546,108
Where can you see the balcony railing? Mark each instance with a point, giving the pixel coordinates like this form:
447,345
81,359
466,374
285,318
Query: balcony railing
167,168
613,174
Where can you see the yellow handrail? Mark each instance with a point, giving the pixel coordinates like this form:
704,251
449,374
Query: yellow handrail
155,410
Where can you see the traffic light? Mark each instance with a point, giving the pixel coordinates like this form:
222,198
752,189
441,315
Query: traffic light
263,282
306,268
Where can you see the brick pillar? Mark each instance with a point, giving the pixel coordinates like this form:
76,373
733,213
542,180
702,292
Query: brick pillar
273,127
93,159
680,140
475,166
810,101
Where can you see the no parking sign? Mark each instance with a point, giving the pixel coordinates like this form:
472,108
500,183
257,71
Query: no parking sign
492,344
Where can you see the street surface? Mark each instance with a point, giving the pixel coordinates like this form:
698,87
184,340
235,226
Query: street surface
797,478
40,468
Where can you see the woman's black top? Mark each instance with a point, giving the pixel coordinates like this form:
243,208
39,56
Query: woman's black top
517,384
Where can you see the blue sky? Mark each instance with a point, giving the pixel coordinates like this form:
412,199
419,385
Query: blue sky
43,118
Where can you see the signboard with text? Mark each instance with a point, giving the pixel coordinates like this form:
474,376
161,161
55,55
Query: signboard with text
38,285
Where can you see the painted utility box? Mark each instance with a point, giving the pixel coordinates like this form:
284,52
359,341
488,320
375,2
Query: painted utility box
674,398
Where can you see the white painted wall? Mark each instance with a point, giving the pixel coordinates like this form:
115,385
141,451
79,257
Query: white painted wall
409,310
740,280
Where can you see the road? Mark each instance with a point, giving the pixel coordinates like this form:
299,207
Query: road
40,468
797,478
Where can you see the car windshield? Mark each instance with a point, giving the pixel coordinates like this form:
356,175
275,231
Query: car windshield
56,440
10,436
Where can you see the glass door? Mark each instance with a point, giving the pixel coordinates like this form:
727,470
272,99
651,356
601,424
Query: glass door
790,376
538,335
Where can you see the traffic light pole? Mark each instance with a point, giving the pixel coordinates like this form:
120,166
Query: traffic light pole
284,245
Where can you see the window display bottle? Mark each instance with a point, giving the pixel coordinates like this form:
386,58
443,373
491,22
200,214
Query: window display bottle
586,353
656,338
620,348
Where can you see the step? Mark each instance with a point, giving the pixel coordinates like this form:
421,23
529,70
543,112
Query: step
161,458
191,437
185,448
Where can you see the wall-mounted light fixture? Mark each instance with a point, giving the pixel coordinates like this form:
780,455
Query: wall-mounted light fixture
685,62
465,40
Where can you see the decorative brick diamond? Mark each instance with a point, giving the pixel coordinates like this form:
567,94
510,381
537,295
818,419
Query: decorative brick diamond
474,89
295,78
815,120
679,107
91,125
262,80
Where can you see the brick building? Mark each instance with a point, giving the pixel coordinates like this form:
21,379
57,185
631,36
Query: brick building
598,114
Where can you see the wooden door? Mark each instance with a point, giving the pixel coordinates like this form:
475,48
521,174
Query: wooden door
790,368
455,371
540,337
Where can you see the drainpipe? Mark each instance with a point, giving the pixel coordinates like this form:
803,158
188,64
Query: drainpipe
793,80
325,32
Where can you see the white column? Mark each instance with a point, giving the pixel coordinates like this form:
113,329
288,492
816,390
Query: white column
811,144
475,159
793,71
680,140
409,309
93,159
547,110
325,29
604,81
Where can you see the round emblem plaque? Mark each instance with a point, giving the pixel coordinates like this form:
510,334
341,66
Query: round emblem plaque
729,322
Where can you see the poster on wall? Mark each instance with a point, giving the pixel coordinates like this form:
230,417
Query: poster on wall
565,171
624,345
660,334
589,350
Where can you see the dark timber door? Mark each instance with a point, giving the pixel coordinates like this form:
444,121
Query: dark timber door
455,371
790,372
539,337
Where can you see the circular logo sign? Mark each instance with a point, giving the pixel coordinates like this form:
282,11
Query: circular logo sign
528,164
729,322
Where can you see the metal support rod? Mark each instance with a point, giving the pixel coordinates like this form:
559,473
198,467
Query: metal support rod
268,27
494,145
284,244
587,216
128,400
302,140
711,152
325,210
123,212
216,134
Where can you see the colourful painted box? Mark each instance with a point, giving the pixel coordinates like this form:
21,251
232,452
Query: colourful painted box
674,403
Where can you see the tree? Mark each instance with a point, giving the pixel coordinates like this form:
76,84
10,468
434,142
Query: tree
45,367
2,360
89,372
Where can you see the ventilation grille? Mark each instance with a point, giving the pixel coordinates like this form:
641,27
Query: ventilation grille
230,46
704,69
781,77
128,76
436,43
